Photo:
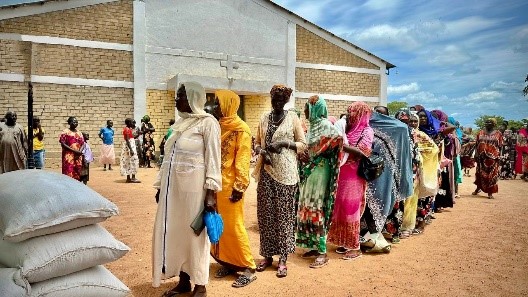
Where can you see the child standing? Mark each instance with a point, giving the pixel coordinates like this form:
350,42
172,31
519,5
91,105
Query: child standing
87,159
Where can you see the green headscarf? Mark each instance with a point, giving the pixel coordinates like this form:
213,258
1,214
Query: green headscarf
146,118
320,127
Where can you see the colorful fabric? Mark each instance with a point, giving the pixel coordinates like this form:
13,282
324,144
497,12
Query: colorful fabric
71,162
13,148
521,163
230,122
429,165
350,196
128,163
38,145
488,158
108,135
432,128
108,154
233,247
318,180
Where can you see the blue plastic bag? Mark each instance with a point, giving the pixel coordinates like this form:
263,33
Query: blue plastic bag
215,226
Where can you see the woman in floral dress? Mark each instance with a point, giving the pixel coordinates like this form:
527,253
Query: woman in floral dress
72,142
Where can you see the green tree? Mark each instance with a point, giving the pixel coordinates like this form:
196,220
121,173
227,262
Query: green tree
479,122
395,106
525,90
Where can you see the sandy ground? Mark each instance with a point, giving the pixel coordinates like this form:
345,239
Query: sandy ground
478,248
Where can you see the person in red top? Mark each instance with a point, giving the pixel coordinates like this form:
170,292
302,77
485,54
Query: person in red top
129,162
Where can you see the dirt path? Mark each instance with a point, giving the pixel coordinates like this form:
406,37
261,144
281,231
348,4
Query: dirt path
478,248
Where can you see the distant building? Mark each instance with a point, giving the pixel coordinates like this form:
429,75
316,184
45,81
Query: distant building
112,59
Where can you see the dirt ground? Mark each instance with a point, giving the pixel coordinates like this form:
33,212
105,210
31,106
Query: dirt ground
478,248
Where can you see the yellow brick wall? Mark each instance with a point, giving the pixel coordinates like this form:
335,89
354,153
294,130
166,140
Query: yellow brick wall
15,56
336,82
254,107
110,22
314,49
71,61
161,109
92,106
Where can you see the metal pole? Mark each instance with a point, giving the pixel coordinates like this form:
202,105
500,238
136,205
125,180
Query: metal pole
30,159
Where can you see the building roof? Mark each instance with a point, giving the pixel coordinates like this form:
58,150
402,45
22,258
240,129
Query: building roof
8,3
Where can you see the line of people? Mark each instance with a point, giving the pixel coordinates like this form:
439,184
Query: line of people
309,192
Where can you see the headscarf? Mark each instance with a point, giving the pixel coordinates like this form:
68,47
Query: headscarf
230,122
402,115
493,120
419,108
358,116
432,128
281,90
414,115
319,124
440,115
453,122
146,118
196,97
332,119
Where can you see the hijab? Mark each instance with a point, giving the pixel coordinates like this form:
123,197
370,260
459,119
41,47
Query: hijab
319,124
459,132
230,122
432,128
358,118
196,97
440,115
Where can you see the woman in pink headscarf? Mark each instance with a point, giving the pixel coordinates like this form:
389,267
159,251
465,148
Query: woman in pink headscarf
350,197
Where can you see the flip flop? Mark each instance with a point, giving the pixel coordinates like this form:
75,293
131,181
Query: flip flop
319,262
263,264
223,272
282,271
341,250
243,280
354,256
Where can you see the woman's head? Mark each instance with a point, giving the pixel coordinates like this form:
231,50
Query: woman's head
146,119
72,121
422,115
129,122
280,95
490,123
190,98
317,108
440,115
402,115
226,104
382,109
414,120
109,123
358,115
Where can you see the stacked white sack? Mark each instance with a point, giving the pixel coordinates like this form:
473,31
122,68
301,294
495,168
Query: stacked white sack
51,242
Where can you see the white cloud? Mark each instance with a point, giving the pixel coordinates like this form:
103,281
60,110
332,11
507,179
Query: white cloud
521,41
482,96
449,55
403,89
387,36
470,25
381,4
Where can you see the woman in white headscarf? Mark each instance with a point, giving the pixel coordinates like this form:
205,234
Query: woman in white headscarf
188,180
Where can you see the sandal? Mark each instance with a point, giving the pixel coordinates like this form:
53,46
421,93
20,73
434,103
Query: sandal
178,290
341,250
243,280
417,231
312,253
263,264
282,271
491,197
352,256
223,272
319,262
405,234
395,239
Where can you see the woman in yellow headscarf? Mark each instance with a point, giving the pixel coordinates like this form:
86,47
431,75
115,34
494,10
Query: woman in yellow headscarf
233,251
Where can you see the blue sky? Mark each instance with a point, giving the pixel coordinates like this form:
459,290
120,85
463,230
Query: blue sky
468,58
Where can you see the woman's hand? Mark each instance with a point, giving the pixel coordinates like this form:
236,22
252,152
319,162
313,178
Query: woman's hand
304,157
235,196
276,147
210,201
157,196
266,157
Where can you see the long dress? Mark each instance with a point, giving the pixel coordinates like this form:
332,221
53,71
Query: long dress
521,163
128,163
488,161
233,248
350,196
278,185
318,181
191,166
13,148
72,163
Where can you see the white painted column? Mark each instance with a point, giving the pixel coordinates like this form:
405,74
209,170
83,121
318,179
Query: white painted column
383,85
139,38
291,61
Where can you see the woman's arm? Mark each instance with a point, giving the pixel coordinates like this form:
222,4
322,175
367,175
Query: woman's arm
213,175
242,163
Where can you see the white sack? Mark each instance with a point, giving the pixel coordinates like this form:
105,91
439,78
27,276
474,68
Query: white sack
93,282
39,202
58,254
10,284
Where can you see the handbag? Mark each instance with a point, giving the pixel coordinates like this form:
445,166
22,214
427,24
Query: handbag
215,226
370,167
198,223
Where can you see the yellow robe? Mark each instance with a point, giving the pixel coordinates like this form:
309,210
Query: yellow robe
233,247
